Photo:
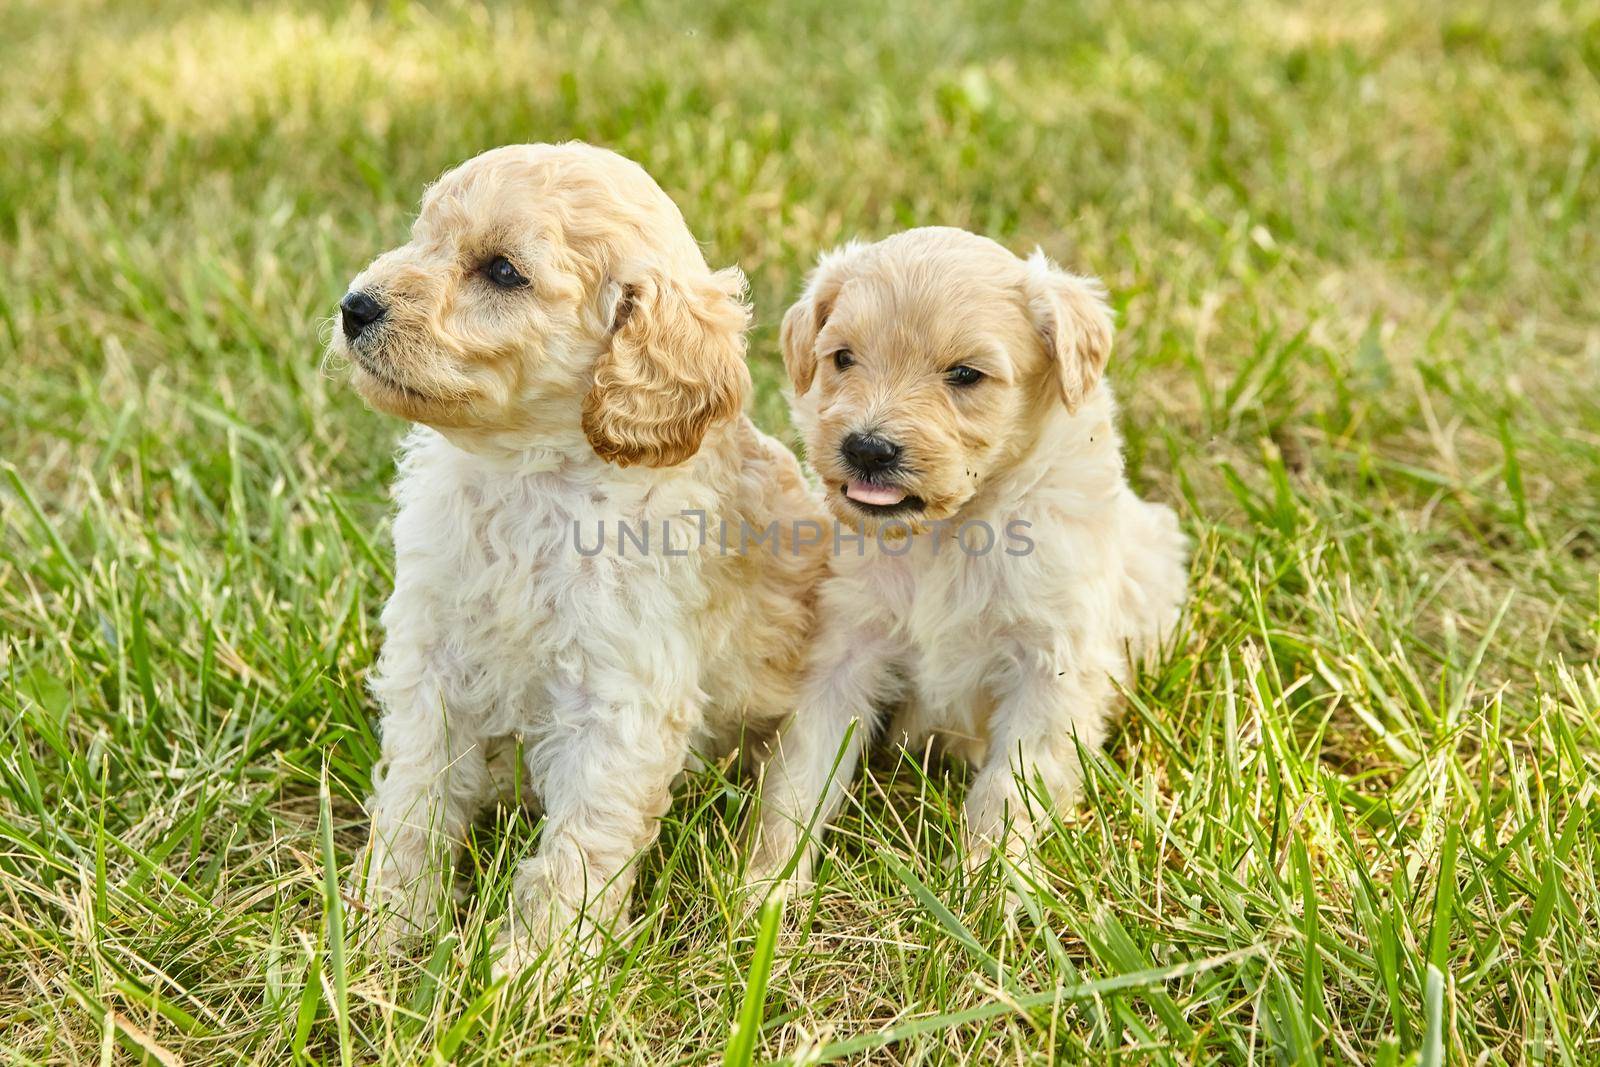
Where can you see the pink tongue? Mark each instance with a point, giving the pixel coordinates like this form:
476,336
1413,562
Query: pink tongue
881,495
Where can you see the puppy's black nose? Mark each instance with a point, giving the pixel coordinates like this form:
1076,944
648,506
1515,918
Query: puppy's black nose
869,454
359,310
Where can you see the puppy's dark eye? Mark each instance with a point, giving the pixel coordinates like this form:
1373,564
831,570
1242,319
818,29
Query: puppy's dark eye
963,376
843,359
500,271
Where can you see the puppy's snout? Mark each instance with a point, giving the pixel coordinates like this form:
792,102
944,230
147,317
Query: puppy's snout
359,310
869,453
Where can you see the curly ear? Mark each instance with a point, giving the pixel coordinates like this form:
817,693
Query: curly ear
1074,322
805,319
675,367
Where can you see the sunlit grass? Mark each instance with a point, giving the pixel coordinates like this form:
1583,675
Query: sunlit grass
1350,816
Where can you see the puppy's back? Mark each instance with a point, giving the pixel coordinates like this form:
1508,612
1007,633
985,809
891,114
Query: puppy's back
1156,559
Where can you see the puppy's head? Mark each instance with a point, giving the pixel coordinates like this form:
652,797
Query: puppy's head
548,292
924,365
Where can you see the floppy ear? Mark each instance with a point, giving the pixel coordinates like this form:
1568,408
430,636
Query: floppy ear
1074,321
805,319
674,369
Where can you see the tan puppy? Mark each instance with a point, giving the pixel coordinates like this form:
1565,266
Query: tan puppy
951,402
574,366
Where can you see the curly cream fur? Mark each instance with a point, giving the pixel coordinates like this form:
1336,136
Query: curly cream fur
1007,659
675,367
609,388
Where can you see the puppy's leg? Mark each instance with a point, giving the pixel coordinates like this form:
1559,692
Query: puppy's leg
605,783
1034,737
815,756
431,783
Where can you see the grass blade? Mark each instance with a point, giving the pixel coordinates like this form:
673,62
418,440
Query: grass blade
333,908
742,1042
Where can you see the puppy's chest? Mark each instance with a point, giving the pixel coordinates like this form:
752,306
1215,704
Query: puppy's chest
519,569
949,618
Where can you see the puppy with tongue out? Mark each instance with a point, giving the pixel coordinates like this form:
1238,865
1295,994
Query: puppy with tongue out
950,398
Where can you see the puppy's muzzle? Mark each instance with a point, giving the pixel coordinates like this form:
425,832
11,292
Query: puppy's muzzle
868,454
358,311
874,463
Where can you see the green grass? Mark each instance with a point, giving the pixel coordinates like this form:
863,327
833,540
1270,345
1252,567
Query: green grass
1351,816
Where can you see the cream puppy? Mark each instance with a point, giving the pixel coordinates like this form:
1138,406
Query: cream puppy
572,364
951,402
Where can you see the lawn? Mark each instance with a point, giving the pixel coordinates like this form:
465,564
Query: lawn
1351,815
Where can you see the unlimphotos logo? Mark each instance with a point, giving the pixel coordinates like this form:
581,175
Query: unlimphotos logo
679,538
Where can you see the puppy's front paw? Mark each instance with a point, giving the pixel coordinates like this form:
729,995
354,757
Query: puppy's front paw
516,956
762,886
397,916
403,890
770,860
986,866
392,936
542,961
977,858
545,934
